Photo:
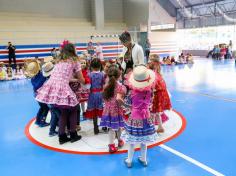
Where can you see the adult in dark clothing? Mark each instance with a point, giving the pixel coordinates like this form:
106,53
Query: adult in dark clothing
11,54
147,49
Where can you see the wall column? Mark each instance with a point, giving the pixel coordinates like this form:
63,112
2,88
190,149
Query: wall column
99,14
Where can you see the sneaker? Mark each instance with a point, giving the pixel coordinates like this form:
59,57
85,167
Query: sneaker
129,165
104,129
53,133
160,130
120,143
36,123
44,124
144,163
112,148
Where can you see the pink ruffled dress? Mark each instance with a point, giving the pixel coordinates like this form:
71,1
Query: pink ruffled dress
56,91
113,113
140,126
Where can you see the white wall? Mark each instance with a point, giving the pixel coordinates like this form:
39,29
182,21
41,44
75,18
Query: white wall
136,12
113,10
162,42
55,8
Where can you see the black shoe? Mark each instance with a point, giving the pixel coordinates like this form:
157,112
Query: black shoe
44,124
96,130
63,139
74,137
104,129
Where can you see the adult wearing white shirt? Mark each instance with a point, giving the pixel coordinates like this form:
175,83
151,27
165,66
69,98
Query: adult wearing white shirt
98,50
132,52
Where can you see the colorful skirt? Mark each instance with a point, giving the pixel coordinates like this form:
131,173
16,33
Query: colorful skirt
95,105
139,131
113,122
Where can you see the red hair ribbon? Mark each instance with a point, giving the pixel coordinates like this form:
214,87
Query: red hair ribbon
65,42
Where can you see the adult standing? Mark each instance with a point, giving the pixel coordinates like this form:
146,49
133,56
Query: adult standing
99,53
132,52
90,49
11,54
147,49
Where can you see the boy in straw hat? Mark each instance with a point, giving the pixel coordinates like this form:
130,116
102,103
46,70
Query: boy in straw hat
32,70
139,127
47,69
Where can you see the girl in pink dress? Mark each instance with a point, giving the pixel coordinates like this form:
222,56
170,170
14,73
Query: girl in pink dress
140,127
112,117
57,92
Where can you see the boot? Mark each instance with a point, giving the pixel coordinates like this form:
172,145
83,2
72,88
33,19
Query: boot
74,137
63,138
112,148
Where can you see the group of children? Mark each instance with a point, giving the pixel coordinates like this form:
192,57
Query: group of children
7,73
182,59
130,104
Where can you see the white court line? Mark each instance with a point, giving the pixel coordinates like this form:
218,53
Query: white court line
191,160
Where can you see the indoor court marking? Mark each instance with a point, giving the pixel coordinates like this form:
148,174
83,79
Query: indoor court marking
97,144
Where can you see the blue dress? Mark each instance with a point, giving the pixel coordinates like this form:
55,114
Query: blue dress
95,100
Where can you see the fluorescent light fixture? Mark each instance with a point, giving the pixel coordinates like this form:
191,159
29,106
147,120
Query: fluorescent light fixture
162,26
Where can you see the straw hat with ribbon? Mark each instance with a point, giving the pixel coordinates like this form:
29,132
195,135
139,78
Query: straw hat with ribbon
47,69
141,77
48,59
32,68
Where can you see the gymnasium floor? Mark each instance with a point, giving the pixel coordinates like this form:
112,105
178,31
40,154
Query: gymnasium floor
205,94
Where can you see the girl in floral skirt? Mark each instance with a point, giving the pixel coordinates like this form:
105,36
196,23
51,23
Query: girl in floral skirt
113,113
139,127
57,92
95,100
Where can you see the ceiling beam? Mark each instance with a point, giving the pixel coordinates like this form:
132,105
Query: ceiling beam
205,3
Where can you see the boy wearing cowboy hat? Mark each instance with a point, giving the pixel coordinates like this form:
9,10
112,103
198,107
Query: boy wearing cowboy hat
32,70
47,69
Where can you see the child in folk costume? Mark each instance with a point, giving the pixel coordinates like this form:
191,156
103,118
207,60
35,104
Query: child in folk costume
112,117
139,127
57,92
81,91
161,99
85,89
33,71
95,100
3,73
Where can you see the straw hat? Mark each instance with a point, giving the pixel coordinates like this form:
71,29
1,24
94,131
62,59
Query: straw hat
47,69
154,57
141,77
48,59
32,68
2,63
